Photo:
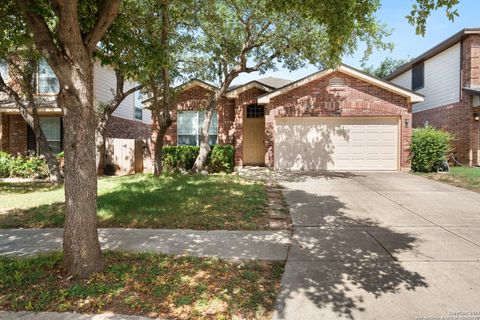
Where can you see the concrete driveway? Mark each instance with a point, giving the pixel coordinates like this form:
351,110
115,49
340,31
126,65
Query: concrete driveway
380,246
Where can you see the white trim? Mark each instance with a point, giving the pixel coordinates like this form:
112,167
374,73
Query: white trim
199,83
14,110
413,97
254,84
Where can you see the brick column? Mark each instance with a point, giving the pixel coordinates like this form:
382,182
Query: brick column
269,140
238,124
405,139
4,132
18,135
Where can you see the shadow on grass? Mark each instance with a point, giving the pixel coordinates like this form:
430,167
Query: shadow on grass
171,201
338,269
152,285
27,187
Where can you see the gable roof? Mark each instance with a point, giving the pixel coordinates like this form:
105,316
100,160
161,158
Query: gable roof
457,37
411,95
197,82
267,84
274,82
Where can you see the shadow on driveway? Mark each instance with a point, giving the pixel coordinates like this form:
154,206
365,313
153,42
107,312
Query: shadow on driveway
332,267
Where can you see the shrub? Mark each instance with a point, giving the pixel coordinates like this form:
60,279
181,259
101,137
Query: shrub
22,167
179,157
220,159
5,163
429,148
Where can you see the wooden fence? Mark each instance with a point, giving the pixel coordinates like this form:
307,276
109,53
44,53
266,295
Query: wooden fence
128,156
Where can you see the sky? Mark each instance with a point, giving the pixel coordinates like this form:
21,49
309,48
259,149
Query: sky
407,43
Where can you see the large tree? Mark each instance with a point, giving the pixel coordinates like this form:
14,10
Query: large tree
246,36
155,36
66,33
243,36
18,52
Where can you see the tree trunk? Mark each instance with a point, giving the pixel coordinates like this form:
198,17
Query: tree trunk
82,254
163,125
100,142
52,161
201,161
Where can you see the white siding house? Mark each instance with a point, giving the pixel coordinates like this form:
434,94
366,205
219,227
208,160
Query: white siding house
441,79
104,84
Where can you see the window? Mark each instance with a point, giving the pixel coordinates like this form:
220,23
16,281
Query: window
418,76
52,129
189,127
255,111
138,105
47,81
4,70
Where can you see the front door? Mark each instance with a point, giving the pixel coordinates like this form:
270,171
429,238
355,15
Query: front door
254,135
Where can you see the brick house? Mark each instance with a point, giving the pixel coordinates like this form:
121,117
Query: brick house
129,121
448,75
339,119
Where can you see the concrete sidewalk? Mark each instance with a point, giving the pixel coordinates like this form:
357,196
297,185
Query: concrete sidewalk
230,245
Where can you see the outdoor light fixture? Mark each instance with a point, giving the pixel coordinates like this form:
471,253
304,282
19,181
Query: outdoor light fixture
406,123
476,116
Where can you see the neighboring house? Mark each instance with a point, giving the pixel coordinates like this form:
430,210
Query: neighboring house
448,75
129,121
341,119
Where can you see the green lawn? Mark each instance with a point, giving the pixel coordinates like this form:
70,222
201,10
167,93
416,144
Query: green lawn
144,284
143,201
463,177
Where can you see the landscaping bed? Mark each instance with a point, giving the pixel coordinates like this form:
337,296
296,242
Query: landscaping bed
463,177
144,284
201,202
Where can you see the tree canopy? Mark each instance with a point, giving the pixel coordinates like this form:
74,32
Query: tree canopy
386,66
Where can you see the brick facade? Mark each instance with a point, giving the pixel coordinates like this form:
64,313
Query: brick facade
356,99
13,134
127,129
13,131
196,98
458,118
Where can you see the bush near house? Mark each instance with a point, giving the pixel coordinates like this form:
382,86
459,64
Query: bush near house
429,148
22,167
220,159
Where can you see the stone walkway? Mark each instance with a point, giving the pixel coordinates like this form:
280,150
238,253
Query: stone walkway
230,245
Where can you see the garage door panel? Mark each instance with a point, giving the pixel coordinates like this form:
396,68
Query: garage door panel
336,143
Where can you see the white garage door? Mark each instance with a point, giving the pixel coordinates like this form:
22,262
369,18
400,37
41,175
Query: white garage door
336,143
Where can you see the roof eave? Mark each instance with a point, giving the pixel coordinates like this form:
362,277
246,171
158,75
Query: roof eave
412,96
252,84
442,46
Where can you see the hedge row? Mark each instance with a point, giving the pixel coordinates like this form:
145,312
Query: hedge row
22,167
220,159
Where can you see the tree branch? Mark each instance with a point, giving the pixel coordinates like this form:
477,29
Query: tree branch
106,14
42,36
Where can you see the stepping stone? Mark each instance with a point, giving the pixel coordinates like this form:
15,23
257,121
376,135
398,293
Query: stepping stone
275,201
276,206
274,194
274,214
277,225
